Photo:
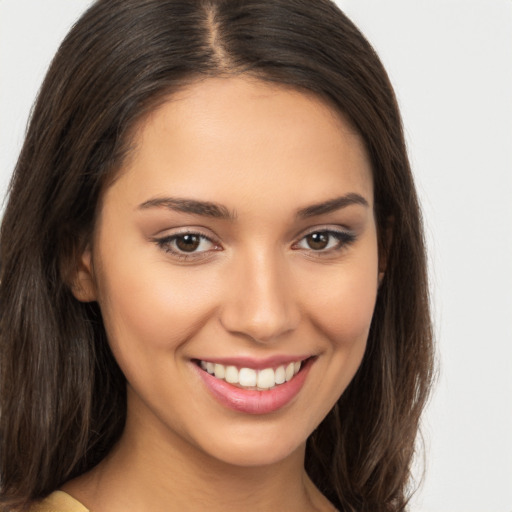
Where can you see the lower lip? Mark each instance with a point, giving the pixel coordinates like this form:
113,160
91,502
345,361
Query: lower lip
253,401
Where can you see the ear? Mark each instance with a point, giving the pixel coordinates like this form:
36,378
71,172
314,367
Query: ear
81,277
385,242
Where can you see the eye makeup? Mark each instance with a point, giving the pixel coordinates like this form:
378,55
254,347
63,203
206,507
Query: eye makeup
192,245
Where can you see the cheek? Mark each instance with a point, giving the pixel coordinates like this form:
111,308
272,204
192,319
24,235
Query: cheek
351,309
152,307
343,303
340,311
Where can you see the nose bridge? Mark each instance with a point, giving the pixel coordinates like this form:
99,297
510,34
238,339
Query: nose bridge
261,304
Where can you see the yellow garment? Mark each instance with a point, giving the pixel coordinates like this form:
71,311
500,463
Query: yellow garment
58,501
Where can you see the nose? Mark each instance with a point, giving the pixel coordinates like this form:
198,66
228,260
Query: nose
260,303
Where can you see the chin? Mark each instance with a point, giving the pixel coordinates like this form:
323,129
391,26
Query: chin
264,452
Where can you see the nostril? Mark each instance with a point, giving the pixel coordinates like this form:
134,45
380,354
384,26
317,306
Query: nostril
262,330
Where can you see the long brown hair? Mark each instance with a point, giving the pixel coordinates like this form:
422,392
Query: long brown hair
62,395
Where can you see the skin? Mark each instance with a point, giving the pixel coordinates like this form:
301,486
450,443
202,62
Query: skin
257,289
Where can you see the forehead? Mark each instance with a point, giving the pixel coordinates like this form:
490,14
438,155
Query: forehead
225,136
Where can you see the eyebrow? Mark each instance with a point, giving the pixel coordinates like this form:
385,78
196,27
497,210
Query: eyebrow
331,205
219,211
204,208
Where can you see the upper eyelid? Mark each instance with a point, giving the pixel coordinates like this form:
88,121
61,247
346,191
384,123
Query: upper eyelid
176,232
324,229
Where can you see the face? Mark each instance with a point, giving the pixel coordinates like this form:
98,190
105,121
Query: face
235,264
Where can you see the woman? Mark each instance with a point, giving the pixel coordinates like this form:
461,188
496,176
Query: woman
213,282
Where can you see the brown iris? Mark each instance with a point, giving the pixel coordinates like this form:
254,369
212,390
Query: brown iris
318,241
188,243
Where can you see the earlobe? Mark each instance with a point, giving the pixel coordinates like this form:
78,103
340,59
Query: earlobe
82,282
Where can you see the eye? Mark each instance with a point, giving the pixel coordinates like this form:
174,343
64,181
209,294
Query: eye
187,245
325,240
190,243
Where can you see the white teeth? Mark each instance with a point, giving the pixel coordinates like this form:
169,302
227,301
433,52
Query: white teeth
262,379
247,377
220,371
266,378
289,371
280,375
231,375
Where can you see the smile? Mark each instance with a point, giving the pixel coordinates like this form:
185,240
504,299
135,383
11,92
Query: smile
258,388
250,378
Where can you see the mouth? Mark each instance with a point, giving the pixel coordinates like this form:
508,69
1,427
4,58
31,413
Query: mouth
254,387
252,378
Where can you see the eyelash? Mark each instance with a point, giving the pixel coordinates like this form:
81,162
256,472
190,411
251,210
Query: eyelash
166,244
344,239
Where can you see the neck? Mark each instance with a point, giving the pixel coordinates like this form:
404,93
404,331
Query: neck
152,470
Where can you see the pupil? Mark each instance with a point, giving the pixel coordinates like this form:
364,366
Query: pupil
318,240
188,243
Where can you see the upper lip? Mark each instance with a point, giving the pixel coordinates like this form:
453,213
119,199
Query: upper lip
255,363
